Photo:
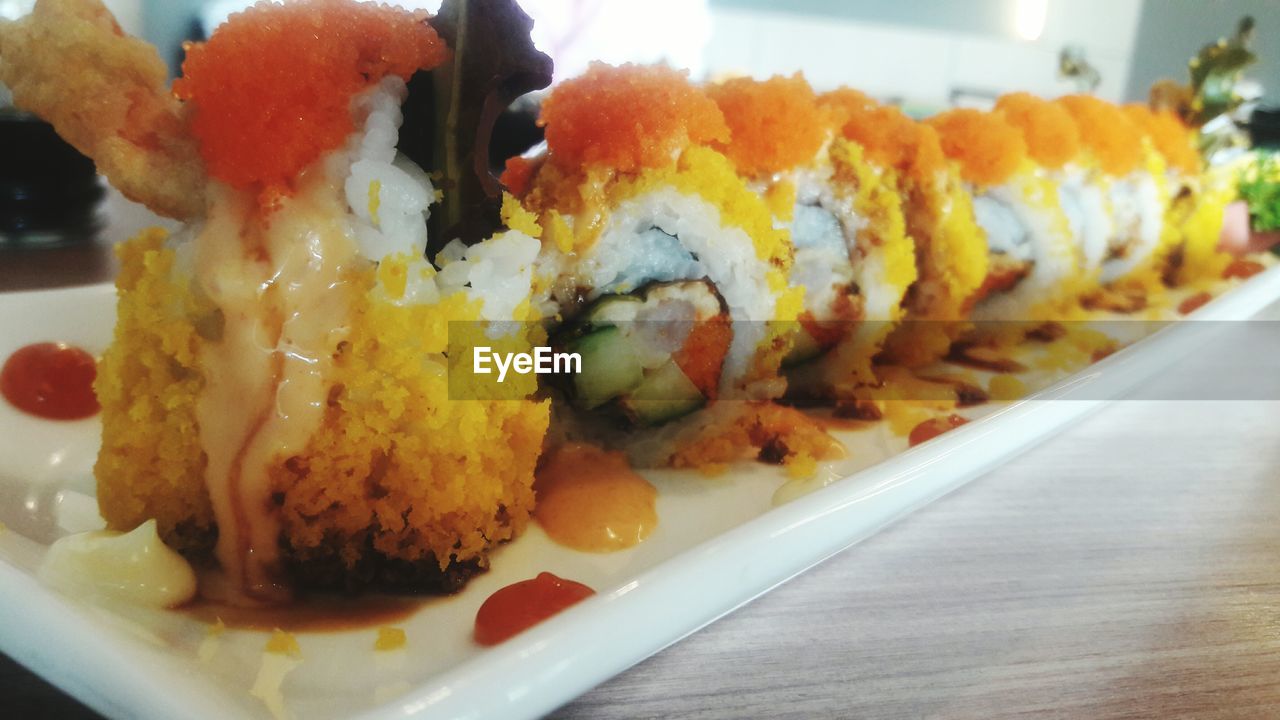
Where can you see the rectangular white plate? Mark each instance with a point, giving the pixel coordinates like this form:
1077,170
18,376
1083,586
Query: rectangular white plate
721,542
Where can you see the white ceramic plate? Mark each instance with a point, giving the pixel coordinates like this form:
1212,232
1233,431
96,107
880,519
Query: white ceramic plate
720,543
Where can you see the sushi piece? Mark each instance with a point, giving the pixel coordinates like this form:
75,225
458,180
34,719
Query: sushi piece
844,221
663,270
1054,145
1197,198
276,393
1123,164
950,252
1033,260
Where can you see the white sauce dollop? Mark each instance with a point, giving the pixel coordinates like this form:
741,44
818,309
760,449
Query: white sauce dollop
136,567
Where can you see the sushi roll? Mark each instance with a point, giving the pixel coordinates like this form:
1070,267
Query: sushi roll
1197,198
1054,145
844,220
662,269
950,253
275,396
1122,163
1033,260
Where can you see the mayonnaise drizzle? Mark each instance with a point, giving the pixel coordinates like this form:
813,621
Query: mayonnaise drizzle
279,280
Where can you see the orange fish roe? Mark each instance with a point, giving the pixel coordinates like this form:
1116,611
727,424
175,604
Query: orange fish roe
1171,137
517,175
1051,135
628,118
272,89
988,149
775,125
889,137
1113,139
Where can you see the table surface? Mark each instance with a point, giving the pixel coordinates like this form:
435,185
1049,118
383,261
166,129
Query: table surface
1126,568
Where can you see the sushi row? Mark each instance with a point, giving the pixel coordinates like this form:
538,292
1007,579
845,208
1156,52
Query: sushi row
826,234
286,393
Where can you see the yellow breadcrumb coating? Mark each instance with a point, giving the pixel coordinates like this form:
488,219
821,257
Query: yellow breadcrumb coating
779,434
390,638
1202,261
105,93
151,464
283,643
875,199
951,259
397,467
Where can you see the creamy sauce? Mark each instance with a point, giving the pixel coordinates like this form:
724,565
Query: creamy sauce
591,500
135,567
279,281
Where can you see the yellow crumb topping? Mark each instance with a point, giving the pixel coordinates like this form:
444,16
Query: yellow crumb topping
780,197
403,462
283,643
951,259
1005,388
884,237
779,434
1201,259
150,464
397,466
878,201
390,638
517,218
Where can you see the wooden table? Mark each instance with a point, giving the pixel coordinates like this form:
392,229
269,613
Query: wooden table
1128,568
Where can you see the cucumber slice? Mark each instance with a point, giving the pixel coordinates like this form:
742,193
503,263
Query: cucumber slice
609,367
803,348
665,395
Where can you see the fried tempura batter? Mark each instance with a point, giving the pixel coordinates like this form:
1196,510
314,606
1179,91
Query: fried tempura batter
105,93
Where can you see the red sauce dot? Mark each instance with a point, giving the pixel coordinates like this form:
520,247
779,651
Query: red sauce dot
932,428
51,380
1193,303
1242,269
519,606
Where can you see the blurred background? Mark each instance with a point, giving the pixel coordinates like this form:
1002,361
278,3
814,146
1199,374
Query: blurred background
923,53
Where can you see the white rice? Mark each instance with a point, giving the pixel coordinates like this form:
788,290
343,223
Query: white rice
1048,244
388,195
389,198
725,255
1084,202
1138,212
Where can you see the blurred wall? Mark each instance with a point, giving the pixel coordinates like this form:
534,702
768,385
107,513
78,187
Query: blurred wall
166,23
922,51
1172,31
969,16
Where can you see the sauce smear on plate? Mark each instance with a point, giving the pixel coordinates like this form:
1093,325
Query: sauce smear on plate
930,429
519,606
51,380
591,500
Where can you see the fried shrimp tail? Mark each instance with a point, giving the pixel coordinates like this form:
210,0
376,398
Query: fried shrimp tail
106,94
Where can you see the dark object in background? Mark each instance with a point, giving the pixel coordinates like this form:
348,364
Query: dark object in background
1264,128
48,191
515,132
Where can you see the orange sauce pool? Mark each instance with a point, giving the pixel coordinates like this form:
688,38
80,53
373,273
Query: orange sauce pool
519,606
1193,303
930,429
51,380
590,499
